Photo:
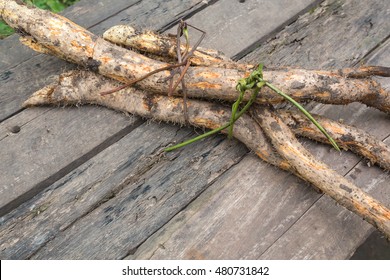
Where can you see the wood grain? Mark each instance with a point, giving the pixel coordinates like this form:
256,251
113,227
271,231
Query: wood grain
335,34
338,238
30,158
218,223
87,13
125,194
82,131
27,73
321,236
244,24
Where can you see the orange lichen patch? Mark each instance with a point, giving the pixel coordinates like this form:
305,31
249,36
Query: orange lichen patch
118,78
105,59
363,152
298,94
284,165
325,73
173,102
205,85
75,44
55,32
205,123
147,69
263,155
246,74
202,58
290,77
307,130
89,50
360,209
148,104
197,61
208,75
323,94
219,112
335,128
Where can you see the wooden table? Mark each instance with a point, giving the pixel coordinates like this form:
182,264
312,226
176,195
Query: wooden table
89,183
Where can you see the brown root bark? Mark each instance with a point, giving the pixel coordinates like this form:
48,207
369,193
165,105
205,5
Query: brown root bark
77,87
82,87
165,46
84,48
320,175
347,137
50,33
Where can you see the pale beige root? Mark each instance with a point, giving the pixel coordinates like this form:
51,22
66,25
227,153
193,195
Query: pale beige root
82,87
364,72
319,174
70,41
165,46
347,137
79,87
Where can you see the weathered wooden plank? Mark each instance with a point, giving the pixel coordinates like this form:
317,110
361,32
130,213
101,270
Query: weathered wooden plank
329,231
21,81
343,32
143,207
83,189
86,13
222,225
243,23
116,191
52,153
338,238
154,15
208,143
13,125
49,143
172,240
31,73
236,218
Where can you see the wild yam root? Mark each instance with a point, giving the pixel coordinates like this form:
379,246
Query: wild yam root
58,36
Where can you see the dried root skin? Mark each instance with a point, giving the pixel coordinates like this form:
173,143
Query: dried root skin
319,174
326,87
365,72
56,33
82,87
165,46
78,87
70,41
347,137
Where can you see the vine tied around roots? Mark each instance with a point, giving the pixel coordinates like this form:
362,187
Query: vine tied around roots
253,82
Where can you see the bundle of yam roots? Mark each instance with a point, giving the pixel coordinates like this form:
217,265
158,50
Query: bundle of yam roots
209,79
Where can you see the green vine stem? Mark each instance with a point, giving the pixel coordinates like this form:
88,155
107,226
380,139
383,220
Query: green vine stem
253,82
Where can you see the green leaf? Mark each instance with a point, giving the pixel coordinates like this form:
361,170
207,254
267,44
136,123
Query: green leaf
55,6
5,30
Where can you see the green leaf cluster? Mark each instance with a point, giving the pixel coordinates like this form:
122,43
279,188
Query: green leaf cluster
55,6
